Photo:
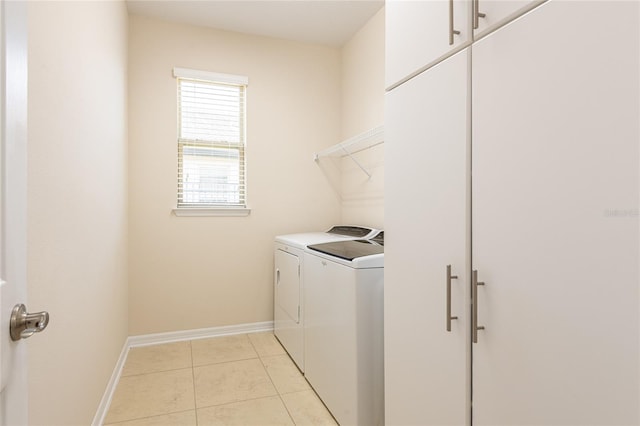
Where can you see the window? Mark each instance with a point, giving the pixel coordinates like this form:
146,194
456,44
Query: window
211,140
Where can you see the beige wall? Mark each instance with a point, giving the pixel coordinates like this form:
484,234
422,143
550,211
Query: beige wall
198,272
183,273
363,109
77,212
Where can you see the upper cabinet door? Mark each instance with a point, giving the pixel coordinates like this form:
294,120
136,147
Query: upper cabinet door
489,15
419,33
555,217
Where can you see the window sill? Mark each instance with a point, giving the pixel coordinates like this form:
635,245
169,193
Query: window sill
211,211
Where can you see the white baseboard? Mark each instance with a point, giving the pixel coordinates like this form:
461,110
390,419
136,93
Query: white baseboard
103,407
201,333
170,337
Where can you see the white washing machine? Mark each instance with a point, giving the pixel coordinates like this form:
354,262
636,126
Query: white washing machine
289,280
344,359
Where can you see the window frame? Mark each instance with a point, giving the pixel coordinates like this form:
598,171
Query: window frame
212,209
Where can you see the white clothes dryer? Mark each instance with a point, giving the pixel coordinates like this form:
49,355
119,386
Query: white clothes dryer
288,324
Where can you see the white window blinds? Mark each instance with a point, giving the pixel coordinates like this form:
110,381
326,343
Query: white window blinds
211,139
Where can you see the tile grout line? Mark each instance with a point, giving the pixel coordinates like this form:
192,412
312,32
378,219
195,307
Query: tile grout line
253,346
257,355
146,417
154,372
311,389
264,367
284,404
276,388
193,377
256,398
137,376
224,362
260,357
287,408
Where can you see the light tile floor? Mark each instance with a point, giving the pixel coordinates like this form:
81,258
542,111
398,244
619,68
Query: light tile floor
245,379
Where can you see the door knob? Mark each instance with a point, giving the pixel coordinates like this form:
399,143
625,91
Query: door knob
24,324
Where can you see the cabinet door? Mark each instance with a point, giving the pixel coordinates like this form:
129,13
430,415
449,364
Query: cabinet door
417,34
426,146
287,315
288,284
498,12
555,217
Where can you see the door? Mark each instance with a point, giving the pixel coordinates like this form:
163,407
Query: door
287,313
13,231
420,32
555,217
288,284
426,155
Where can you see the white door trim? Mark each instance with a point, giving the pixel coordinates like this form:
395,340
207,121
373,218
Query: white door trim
13,128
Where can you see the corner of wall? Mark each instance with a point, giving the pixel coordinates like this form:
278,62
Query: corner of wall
363,91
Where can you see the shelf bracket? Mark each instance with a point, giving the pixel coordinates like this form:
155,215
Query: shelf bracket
358,143
357,162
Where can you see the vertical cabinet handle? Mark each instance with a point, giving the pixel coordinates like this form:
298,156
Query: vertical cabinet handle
452,32
278,276
476,14
474,307
449,278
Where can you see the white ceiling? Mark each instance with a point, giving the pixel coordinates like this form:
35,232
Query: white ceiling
327,22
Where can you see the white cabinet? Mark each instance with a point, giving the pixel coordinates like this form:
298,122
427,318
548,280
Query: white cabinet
426,221
554,129
555,155
421,33
491,14
418,33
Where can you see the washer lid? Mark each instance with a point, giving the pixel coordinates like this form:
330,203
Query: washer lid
350,249
336,233
352,231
